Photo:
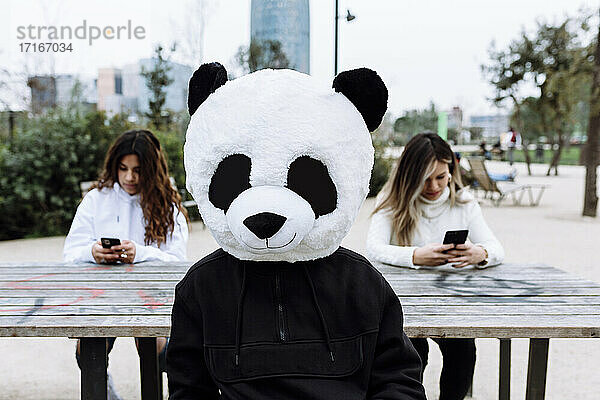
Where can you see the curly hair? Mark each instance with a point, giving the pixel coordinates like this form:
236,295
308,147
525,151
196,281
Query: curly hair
158,197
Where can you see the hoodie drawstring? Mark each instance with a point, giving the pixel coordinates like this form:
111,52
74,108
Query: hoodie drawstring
323,322
238,324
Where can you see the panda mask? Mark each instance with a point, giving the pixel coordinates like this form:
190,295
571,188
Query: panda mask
278,164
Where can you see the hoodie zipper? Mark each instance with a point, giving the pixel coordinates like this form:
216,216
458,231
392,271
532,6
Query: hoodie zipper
280,310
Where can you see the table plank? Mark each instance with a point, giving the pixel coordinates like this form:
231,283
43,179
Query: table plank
14,279
409,310
92,284
85,326
19,279
493,326
69,310
515,301
167,298
86,292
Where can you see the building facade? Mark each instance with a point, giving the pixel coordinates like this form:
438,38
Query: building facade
43,92
286,21
455,118
49,91
124,90
493,125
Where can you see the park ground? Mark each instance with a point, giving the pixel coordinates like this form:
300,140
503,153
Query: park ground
553,233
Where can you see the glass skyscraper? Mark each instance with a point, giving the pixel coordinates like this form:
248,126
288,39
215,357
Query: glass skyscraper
286,21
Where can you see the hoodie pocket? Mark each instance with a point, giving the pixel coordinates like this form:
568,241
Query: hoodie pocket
286,359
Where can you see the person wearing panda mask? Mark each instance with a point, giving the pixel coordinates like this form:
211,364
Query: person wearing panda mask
279,166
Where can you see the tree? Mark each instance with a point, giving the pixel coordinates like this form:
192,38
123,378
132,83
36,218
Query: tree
382,164
476,133
190,30
41,171
546,61
413,122
157,79
590,202
262,54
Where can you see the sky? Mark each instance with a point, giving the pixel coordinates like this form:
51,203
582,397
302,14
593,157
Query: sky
424,50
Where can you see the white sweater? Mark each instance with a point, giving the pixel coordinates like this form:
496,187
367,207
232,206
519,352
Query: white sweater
114,213
437,217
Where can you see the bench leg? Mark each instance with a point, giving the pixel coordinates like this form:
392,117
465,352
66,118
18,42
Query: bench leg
531,198
150,375
94,362
539,196
504,384
536,371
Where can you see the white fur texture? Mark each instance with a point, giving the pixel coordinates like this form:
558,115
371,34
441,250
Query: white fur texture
274,117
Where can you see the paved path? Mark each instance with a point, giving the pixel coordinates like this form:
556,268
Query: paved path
553,233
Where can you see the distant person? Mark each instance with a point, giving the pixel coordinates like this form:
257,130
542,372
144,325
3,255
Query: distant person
134,202
465,174
514,140
485,153
539,152
420,202
497,149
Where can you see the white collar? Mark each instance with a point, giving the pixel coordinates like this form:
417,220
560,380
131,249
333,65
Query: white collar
431,209
123,195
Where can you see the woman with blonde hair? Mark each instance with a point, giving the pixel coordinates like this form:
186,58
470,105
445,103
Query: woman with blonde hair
134,202
422,200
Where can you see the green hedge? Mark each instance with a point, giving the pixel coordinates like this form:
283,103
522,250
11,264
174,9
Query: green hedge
382,166
41,169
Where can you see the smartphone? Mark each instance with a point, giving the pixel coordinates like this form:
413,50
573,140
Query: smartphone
107,243
456,237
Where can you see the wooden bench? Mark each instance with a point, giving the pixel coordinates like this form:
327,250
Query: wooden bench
96,301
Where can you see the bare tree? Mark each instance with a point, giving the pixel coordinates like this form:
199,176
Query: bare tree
14,90
190,31
262,54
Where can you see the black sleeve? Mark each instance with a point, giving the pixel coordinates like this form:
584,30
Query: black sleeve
396,367
186,367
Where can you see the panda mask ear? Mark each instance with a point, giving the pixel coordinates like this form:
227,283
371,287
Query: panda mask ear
365,89
208,78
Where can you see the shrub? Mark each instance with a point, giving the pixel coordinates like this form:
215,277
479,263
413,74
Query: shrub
50,155
381,166
172,145
41,171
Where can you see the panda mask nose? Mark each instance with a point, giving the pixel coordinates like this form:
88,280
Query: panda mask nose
265,224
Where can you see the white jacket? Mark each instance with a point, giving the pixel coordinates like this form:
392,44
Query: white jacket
114,213
437,217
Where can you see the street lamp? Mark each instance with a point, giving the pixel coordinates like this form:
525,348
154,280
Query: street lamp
349,17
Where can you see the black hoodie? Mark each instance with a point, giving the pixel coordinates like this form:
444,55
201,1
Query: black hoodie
324,329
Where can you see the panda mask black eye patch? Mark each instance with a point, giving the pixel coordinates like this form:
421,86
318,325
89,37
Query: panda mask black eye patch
231,178
310,179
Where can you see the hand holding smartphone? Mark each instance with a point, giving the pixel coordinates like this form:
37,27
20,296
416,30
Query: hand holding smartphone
456,237
107,243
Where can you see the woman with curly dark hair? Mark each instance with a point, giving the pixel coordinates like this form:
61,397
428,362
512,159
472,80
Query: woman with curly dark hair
134,202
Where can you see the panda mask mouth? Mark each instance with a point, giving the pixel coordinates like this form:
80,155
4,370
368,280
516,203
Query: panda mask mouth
269,219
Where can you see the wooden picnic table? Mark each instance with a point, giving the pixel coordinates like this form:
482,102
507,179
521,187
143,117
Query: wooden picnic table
96,301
